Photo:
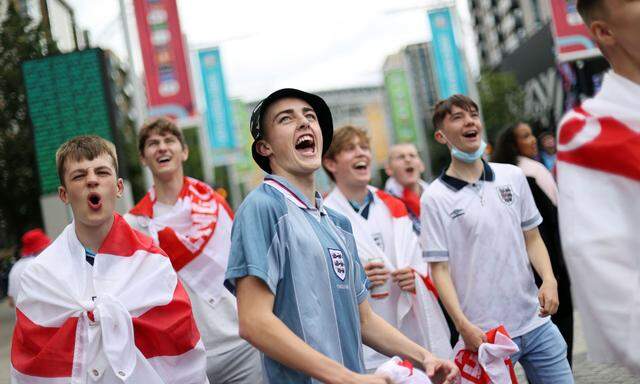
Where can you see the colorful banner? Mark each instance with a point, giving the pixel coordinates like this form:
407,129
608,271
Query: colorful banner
448,62
218,114
163,54
402,115
571,36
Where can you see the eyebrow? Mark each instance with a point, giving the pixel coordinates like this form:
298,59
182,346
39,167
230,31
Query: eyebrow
286,111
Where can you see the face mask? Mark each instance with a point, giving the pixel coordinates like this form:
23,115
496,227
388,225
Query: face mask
465,156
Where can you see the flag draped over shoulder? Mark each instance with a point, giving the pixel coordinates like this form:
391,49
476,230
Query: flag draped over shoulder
196,234
125,319
428,316
599,185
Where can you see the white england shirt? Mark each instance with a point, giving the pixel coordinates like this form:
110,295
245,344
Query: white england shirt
478,229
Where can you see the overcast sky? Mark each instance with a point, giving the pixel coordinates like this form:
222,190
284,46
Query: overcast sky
265,45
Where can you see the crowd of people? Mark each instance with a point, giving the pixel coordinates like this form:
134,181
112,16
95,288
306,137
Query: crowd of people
450,281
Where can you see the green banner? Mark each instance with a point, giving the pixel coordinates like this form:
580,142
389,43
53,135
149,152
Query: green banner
244,164
402,115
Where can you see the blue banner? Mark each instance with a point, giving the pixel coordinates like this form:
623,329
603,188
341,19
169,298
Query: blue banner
448,62
218,114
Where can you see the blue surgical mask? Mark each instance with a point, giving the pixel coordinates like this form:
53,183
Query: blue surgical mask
465,156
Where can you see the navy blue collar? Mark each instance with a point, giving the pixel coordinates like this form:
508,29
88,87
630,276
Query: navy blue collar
456,184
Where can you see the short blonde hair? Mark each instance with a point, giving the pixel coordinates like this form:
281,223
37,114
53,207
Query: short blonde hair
84,148
341,139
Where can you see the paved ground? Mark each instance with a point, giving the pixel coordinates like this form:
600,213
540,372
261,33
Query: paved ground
584,371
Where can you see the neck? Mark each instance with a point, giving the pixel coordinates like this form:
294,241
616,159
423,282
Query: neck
469,172
168,190
305,183
352,192
627,68
415,188
92,237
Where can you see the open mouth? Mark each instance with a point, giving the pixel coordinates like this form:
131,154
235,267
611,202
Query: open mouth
361,166
163,159
470,134
306,144
95,201
409,169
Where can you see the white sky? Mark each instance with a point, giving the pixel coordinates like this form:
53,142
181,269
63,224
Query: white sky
270,44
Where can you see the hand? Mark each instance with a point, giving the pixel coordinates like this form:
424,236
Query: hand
440,371
472,336
405,279
548,297
376,273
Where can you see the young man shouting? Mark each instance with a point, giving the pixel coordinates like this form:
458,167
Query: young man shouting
404,168
192,224
387,246
294,267
480,236
101,303
599,183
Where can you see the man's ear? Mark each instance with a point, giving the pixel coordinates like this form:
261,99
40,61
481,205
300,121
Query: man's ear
439,136
263,148
602,33
62,194
185,153
329,164
120,186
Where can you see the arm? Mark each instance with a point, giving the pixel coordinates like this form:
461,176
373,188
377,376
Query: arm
381,336
471,334
539,258
260,327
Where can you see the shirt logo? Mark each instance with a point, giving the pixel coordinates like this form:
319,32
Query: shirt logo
337,261
377,238
506,194
456,213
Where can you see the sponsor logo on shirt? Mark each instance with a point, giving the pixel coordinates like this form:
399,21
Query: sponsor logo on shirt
456,213
377,238
506,194
337,261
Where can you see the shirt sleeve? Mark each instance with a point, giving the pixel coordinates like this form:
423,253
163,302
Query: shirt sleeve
529,214
255,244
433,236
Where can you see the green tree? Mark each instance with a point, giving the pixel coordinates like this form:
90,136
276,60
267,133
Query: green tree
502,101
19,185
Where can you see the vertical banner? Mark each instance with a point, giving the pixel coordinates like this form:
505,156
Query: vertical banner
402,115
163,54
218,114
570,34
448,62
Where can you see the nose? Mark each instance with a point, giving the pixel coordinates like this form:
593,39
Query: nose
303,121
92,178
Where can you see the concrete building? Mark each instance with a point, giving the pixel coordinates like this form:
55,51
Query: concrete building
501,25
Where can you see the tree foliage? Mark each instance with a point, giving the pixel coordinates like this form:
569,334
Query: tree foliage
502,101
20,40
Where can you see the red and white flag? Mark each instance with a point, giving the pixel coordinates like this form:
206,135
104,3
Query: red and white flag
125,319
599,186
491,364
196,234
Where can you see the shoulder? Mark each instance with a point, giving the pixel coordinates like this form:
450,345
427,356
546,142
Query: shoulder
339,220
506,171
434,190
264,201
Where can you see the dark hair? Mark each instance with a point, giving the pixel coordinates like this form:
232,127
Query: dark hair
444,107
506,148
588,9
161,126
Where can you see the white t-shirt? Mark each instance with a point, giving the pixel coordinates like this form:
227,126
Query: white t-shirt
478,229
218,325
14,276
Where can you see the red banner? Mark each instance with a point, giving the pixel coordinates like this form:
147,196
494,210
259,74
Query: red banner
571,36
163,54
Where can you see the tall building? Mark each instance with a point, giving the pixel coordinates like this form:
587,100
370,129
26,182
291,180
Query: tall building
411,93
501,25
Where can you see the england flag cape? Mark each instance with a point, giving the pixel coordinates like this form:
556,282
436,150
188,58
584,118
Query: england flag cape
406,251
599,190
126,319
196,234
